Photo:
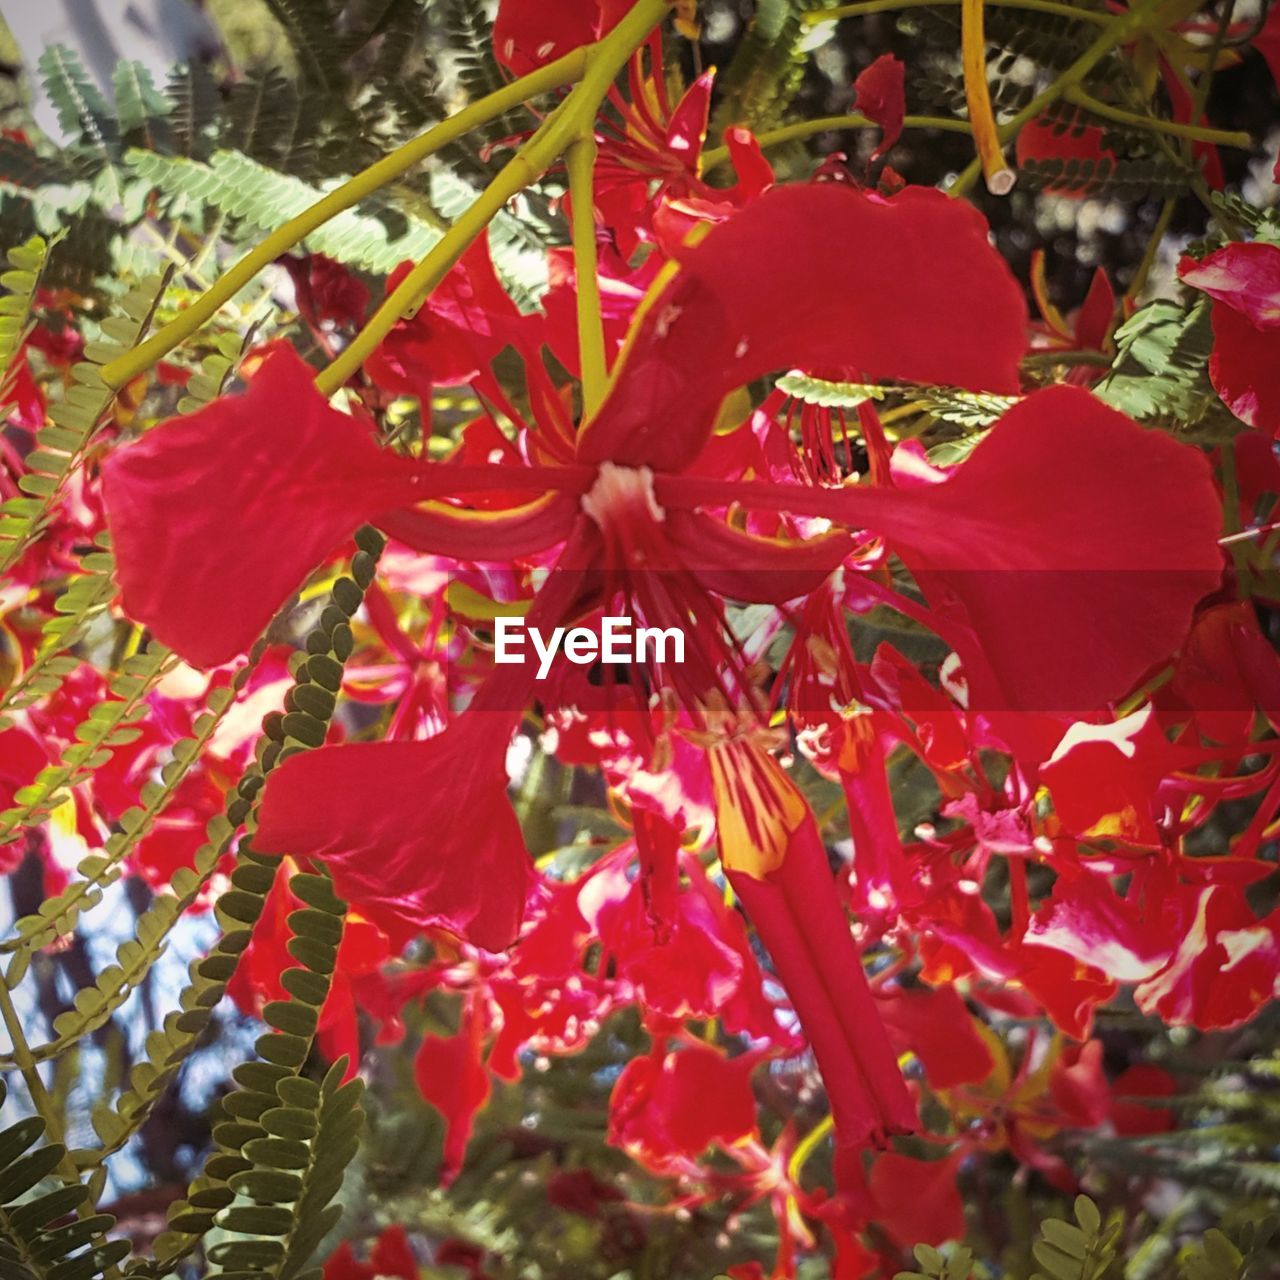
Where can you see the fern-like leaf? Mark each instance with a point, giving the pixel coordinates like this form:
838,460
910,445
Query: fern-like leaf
141,109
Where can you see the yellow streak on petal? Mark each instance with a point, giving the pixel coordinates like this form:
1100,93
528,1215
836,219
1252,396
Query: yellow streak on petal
758,809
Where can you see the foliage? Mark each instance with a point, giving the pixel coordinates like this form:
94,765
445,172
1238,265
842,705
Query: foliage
230,1050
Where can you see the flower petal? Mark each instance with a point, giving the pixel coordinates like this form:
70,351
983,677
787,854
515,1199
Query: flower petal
1245,369
217,517
1078,543
1246,277
440,529
881,97
396,824
857,288
1063,558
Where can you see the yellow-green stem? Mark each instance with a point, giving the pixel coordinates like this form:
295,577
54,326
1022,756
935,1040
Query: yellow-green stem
1120,28
1192,132
868,7
554,75
808,1145
580,162
561,129
832,124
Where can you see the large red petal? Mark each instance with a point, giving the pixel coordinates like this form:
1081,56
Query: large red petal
1245,368
857,288
218,516
917,1201
417,834
1078,543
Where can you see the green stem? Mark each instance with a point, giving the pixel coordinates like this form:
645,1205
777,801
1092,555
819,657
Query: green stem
1120,28
1139,280
580,162
553,76
566,125
868,7
832,124
1192,132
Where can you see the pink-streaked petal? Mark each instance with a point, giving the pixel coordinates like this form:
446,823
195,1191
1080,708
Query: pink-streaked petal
1246,277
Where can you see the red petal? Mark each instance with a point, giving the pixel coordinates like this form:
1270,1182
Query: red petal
451,1076
1038,141
530,33
679,1105
507,534
396,824
217,517
1245,369
880,91
1064,557
938,1028
1137,1118
1103,778
917,1201
859,290
392,1255
1225,968
1093,321
1078,543
744,566
1244,276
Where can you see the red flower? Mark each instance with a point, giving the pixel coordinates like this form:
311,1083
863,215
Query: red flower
1103,778
1141,1083
325,291
1062,580
1225,964
936,1026
167,493
465,322
917,1201
411,848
